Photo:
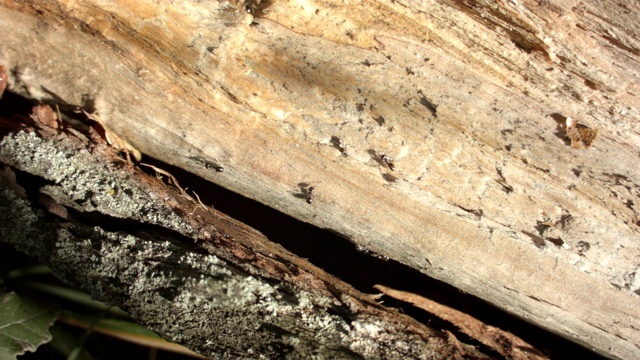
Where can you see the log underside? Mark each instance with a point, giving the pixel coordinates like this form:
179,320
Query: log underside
185,270
482,188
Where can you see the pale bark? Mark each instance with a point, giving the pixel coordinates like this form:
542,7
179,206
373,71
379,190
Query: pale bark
486,193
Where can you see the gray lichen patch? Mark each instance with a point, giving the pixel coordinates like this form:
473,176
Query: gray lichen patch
20,224
83,182
218,307
200,300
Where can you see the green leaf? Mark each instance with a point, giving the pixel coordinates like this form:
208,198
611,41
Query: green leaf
66,342
24,324
124,330
73,295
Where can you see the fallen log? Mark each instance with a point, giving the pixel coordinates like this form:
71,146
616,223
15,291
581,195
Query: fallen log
493,146
183,269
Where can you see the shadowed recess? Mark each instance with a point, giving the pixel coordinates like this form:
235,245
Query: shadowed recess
363,269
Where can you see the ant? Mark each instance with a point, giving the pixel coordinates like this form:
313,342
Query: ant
306,192
388,161
310,194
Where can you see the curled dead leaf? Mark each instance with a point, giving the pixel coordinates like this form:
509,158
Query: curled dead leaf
113,139
43,115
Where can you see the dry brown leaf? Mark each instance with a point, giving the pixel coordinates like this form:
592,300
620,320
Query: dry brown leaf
113,139
43,115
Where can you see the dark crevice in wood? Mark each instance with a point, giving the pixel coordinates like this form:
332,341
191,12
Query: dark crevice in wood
337,256
362,270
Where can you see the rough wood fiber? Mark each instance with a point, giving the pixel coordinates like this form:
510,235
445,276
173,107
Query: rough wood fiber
187,271
469,99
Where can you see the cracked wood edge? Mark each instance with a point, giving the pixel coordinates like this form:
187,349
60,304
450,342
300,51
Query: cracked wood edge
504,343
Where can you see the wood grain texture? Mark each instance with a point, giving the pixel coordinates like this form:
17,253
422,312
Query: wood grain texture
470,101
184,270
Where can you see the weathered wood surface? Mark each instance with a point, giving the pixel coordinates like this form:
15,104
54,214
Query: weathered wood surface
487,192
187,271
